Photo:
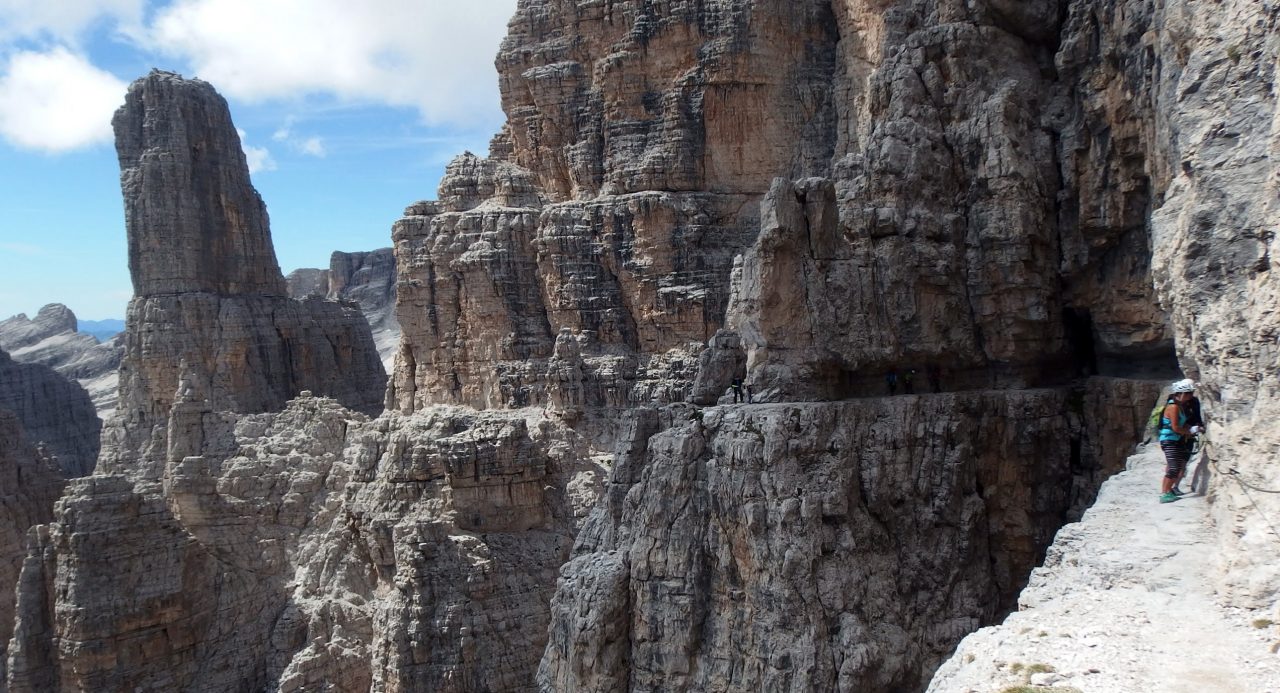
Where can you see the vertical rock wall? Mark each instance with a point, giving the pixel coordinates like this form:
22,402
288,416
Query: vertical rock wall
29,484
814,546
639,140
1213,238
985,206
367,278
54,411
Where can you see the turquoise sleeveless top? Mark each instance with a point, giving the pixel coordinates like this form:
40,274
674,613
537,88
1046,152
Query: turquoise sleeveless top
1167,434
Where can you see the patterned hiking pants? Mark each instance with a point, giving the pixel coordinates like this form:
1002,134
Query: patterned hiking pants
1176,455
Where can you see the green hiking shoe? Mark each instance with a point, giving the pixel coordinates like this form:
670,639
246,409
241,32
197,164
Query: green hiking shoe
1168,497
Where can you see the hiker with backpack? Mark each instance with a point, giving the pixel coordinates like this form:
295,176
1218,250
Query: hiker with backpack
1177,436
1195,419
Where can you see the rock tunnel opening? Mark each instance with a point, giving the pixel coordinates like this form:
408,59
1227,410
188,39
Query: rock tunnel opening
1090,354
1081,340
1153,363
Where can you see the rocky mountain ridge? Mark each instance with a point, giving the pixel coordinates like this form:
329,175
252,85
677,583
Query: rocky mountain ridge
54,339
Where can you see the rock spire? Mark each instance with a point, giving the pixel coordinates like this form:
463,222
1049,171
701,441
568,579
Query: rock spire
209,293
196,224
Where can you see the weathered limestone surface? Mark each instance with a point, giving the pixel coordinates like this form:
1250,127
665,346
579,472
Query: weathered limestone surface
960,222
626,97
106,536
638,280
1215,256
368,279
836,546
312,548
805,194
54,412
195,222
639,141
1120,599
210,304
30,482
52,339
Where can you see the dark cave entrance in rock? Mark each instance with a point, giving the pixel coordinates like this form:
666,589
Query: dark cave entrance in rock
1081,341
1155,363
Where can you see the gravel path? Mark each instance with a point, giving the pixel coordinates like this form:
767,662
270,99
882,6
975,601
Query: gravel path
1124,603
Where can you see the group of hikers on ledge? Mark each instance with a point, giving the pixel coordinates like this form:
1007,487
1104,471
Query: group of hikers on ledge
1180,426
908,379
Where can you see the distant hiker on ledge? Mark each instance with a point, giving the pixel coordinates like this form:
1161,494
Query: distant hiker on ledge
909,381
737,389
891,381
1177,435
934,372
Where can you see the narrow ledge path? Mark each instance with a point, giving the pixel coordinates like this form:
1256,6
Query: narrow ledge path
1124,603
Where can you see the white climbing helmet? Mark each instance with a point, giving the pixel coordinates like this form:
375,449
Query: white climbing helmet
1184,385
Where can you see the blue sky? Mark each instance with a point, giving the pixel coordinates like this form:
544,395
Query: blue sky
348,112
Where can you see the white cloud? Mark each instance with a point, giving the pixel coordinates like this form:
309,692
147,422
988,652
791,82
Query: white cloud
259,159
282,134
432,55
313,146
56,101
63,20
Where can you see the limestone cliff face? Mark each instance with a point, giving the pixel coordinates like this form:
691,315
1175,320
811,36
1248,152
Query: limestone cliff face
638,143
965,220
30,482
814,546
627,97
1214,246
195,222
368,279
210,302
489,284
54,412
806,195
309,549
52,339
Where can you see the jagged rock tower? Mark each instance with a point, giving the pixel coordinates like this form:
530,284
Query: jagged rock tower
211,336
210,303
